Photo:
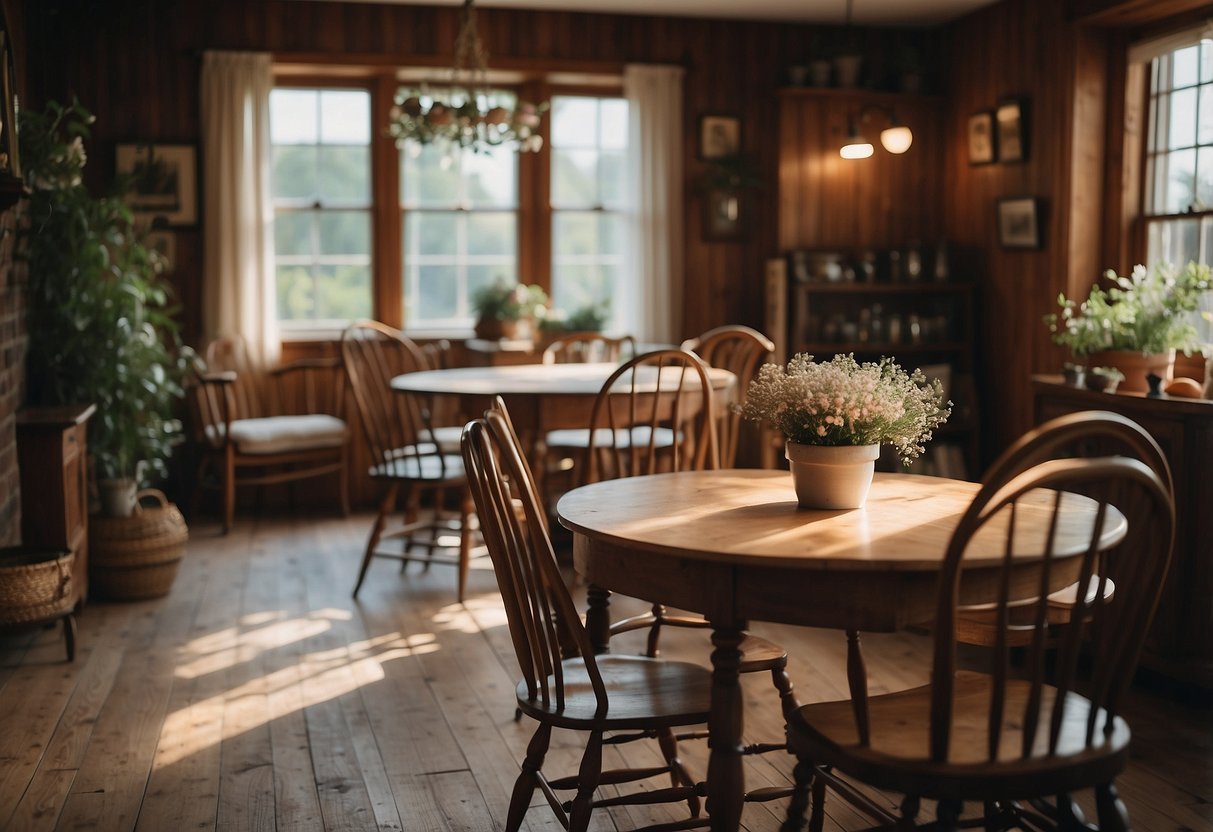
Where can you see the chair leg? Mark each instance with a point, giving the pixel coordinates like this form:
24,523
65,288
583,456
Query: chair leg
678,772
818,817
466,508
783,684
802,776
528,779
587,783
385,508
229,489
1069,815
343,481
1111,811
947,814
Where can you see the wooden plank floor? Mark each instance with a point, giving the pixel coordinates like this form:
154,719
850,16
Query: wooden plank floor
258,696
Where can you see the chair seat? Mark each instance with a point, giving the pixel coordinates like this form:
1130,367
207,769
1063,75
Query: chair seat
447,438
429,467
898,755
283,434
580,437
642,692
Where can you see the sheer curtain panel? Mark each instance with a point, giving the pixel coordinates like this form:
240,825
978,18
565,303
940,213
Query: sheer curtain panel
238,265
653,295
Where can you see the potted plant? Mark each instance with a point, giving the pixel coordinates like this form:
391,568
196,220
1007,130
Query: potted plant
1104,379
1137,323
835,415
506,311
100,321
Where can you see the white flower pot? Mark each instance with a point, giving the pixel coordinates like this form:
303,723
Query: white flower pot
831,476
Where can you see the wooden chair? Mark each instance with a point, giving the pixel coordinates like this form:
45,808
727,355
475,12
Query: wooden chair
1097,431
988,737
400,438
740,350
264,428
564,685
448,428
588,347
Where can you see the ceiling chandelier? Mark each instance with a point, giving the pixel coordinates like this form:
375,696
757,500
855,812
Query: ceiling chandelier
469,115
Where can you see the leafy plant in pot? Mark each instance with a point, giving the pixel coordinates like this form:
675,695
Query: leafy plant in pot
501,308
1137,323
101,322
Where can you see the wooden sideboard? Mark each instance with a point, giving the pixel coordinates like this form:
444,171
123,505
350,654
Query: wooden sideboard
52,454
1180,644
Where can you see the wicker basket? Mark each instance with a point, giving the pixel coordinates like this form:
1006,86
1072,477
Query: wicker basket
136,557
35,584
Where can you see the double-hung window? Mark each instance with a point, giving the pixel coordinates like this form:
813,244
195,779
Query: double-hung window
321,186
1179,157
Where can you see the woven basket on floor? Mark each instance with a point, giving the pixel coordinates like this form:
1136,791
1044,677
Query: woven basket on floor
136,557
35,584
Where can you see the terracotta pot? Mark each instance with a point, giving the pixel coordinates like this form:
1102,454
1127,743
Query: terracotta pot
495,329
831,476
1135,366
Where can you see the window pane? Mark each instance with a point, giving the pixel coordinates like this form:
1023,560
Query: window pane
610,235
343,292
574,234
293,234
492,234
345,117
429,234
294,174
574,121
1183,119
430,179
575,286
612,173
435,293
574,178
345,174
1205,134
1204,178
1180,180
1206,61
1159,121
293,117
345,232
486,274
614,124
1175,241
295,301
1183,67
491,178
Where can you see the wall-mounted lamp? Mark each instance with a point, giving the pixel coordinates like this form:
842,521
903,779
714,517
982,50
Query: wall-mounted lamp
896,138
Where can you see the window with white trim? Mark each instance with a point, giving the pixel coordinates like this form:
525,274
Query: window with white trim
1178,199
321,186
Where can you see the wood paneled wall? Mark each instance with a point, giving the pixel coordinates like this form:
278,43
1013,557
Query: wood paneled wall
136,65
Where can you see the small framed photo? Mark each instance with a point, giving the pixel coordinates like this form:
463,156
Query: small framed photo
981,138
164,180
1011,120
1019,222
719,137
723,217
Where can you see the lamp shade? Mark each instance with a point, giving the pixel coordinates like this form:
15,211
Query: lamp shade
856,148
896,139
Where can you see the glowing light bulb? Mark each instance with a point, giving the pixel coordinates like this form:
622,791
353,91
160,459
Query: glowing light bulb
896,139
856,149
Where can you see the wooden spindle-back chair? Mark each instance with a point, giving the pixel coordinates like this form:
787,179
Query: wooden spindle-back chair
563,684
998,737
588,348
740,350
400,437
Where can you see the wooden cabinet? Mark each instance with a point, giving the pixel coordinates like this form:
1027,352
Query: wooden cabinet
52,455
1180,643
924,324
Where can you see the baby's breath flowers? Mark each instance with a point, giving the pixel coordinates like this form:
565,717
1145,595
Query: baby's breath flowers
843,402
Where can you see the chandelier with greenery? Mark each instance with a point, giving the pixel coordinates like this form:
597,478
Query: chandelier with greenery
470,115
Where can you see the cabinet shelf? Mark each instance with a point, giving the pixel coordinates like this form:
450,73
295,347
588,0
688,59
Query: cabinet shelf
920,288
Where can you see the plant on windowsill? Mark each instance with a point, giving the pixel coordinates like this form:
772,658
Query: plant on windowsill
836,414
1137,323
508,311
589,318
102,327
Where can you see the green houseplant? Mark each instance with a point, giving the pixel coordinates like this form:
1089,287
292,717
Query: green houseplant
500,308
1135,324
101,323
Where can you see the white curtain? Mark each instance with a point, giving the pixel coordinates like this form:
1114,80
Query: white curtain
238,253
651,294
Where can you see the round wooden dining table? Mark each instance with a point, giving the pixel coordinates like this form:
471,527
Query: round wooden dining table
734,546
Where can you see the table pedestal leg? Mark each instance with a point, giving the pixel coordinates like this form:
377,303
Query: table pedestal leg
726,780
598,618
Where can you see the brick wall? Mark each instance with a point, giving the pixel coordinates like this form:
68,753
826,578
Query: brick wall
13,341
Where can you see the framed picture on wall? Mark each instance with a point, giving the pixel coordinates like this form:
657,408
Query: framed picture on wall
1011,121
719,137
981,138
723,217
1019,222
164,179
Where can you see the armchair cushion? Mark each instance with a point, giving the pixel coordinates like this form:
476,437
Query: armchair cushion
580,437
283,434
